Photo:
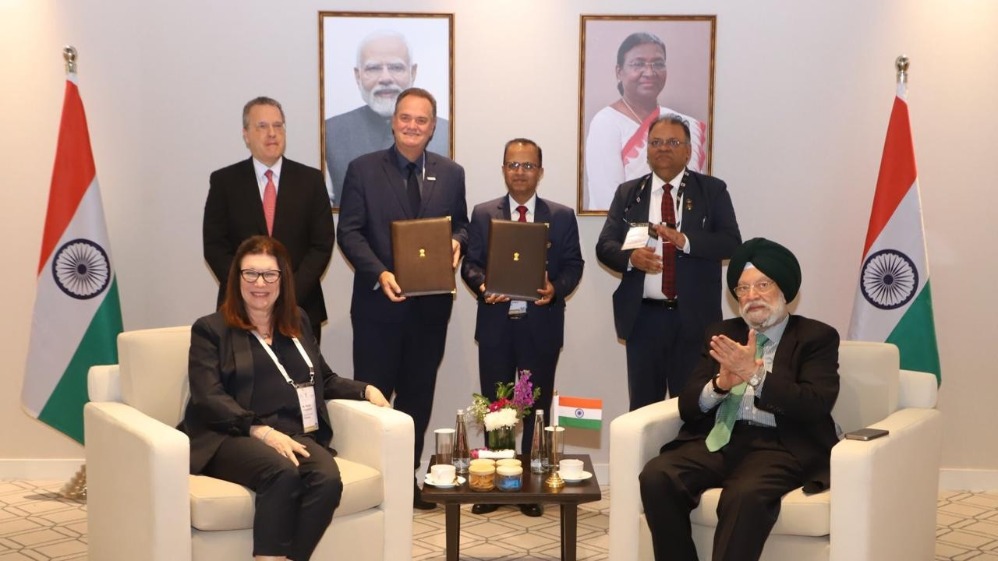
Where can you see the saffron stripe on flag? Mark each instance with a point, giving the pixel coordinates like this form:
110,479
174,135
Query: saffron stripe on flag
583,402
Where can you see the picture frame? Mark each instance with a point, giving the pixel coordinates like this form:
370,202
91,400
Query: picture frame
618,102
357,97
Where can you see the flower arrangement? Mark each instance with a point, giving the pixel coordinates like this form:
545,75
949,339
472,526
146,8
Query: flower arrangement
513,402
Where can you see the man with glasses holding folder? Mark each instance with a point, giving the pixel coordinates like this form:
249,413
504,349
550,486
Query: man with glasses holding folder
516,335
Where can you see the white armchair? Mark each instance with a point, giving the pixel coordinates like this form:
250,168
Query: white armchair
882,501
143,504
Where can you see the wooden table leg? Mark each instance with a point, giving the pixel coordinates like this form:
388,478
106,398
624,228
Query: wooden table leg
452,520
569,519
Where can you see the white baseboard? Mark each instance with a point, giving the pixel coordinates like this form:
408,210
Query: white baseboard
953,479
39,470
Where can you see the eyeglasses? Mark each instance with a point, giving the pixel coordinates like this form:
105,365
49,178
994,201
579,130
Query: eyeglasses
525,166
371,70
639,65
761,287
265,127
405,118
663,142
269,277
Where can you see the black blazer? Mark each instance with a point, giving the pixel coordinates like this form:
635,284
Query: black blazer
708,222
564,268
373,197
800,392
221,375
303,222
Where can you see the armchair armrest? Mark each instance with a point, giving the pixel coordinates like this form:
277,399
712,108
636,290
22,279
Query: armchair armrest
104,383
918,389
635,438
884,491
137,477
382,438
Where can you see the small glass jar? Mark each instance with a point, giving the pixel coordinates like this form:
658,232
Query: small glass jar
482,477
511,462
509,478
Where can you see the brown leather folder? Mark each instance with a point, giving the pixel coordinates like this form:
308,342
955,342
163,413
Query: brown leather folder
423,256
517,259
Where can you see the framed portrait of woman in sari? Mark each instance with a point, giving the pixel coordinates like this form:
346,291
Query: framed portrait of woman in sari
633,70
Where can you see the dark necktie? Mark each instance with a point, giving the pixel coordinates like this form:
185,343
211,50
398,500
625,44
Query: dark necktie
412,189
668,249
523,213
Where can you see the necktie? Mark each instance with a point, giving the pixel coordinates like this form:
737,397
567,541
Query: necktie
412,189
523,213
269,201
727,413
668,249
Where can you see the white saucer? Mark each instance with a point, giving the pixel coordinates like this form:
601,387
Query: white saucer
582,477
429,481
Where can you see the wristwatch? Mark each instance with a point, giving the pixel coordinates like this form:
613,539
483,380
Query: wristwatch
717,389
756,379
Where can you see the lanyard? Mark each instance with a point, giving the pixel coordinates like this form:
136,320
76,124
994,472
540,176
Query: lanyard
280,367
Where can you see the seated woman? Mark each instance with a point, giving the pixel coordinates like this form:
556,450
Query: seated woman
257,413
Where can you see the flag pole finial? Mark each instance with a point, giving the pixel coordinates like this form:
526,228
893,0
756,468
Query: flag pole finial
69,54
901,63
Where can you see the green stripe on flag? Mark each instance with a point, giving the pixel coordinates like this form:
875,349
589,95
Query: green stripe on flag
64,408
591,424
915,336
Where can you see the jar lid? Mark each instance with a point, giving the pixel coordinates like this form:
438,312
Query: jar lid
483,462
509,470
482,469
508,462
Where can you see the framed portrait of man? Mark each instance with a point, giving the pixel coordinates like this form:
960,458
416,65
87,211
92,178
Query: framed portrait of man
366,59
633,70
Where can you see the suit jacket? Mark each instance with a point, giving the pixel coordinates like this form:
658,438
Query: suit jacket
303,222
800,392
221,375
564,268
709,224
373,197
362,131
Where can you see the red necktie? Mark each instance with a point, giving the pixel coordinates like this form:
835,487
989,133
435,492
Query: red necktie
523,213
668,249
269,201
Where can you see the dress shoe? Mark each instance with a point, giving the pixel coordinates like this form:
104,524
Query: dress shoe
483,508
532,510
418,502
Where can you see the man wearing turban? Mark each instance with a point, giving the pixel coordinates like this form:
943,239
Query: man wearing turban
756,413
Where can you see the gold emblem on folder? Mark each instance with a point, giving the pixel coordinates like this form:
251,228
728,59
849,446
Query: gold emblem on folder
422,252
516,256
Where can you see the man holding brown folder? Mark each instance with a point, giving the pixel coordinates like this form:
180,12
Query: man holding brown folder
398,342
516,334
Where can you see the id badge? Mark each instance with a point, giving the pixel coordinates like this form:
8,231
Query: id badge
517,308
637,236
306,400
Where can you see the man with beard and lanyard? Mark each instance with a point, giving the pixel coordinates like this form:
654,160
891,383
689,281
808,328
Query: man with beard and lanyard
670,288
756,413
384,68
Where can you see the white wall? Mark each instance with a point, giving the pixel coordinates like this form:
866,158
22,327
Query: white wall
803,94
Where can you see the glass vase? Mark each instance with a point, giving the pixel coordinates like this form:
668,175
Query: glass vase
503,438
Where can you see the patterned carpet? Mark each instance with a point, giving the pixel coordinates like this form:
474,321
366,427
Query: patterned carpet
37,525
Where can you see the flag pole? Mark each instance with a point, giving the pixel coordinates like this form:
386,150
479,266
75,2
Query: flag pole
76,488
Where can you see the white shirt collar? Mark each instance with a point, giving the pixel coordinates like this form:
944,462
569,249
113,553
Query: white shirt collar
531,205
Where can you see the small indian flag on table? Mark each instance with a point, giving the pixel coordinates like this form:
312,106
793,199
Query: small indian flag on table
578,412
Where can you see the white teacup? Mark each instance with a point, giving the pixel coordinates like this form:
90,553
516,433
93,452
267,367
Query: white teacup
442,474
570,468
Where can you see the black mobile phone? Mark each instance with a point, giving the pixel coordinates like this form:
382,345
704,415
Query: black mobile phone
866,434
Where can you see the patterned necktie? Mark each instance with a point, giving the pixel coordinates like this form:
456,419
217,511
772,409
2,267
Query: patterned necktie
668,249
412,189
523,213
727,413
269,201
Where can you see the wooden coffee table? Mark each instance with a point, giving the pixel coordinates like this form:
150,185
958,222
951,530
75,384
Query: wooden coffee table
568,498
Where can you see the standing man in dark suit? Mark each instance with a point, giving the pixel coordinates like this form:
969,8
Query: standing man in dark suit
398,342
670,288
269,194
521,335
757,415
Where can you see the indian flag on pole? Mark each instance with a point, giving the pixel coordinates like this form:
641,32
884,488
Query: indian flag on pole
77,315
894,299
578,412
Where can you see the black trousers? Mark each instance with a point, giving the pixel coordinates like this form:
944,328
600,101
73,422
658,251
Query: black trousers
519,351
754,470
294,505
401,359
661,355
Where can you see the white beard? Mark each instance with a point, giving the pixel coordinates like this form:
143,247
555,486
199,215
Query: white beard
761,320
381,105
